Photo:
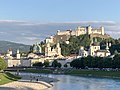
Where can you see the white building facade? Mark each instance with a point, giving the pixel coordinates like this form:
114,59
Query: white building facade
94,50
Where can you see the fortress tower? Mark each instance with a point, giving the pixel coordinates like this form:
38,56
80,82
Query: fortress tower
102,30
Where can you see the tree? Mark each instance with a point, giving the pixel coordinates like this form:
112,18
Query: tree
46,63
55,63
59,65
77,63
39,64
3,64
66,65
74,44
115,52
117,61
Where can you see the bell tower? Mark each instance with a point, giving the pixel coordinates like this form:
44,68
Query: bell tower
18,54
47,49
58,49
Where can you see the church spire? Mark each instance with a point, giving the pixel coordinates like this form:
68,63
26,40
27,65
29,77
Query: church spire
107,47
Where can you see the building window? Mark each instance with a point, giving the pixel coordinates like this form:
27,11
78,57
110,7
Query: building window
92,53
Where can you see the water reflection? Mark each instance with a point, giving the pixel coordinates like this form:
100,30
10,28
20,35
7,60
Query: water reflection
83,83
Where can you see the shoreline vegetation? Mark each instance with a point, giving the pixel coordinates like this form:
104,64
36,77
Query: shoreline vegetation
8,77
78,72
95,73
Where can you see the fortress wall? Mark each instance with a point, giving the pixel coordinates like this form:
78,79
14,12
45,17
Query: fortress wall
99,35
73,33
96,31
63,33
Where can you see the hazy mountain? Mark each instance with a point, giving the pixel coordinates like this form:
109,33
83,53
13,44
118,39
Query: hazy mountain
5,45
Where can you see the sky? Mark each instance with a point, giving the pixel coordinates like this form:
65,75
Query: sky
29,21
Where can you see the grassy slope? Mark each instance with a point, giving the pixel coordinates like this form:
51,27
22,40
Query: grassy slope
111,74
46,71
7,77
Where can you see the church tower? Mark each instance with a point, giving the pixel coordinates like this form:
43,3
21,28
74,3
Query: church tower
58,49
107,47
47,49
102,30
18,54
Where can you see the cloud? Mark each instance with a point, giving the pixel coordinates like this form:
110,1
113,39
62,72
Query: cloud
29,32
3,32
31,38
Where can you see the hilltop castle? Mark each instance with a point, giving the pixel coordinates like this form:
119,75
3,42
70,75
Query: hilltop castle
81,30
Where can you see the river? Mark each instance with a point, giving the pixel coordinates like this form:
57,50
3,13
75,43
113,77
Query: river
68,82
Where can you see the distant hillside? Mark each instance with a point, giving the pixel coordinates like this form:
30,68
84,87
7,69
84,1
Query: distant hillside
5,45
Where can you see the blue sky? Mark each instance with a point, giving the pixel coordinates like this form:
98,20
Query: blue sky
29,21
60,10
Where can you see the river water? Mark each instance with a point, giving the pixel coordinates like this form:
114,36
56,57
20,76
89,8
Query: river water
68,82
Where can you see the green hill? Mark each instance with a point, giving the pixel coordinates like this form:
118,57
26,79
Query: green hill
5,45
84,40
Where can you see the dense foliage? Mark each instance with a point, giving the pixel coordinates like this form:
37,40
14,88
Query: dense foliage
75,43
3,64
38,64
56,64
115,48
84,40
96,62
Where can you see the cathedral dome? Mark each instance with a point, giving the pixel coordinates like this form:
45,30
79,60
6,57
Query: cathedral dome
36,48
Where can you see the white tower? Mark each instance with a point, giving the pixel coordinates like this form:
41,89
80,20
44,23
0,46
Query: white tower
47,49
58,49
18,54
9,52
107,47
110,44
89,29
102,30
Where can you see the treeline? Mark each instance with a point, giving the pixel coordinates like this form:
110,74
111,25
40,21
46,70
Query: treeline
96,62
46,63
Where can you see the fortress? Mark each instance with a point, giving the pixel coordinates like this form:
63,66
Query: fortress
81,30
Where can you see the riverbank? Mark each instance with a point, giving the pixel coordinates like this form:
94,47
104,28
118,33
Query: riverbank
80,72
19,85
7,78
95,73
28,82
